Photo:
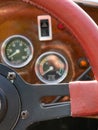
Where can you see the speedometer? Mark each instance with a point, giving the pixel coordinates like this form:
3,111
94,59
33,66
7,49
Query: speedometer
17,51
51,67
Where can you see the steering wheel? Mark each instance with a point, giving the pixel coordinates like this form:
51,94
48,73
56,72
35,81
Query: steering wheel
20,102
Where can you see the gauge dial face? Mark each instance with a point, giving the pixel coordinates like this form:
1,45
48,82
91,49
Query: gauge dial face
17,51
51,67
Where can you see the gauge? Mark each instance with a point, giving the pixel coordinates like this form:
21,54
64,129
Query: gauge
17,51
51,67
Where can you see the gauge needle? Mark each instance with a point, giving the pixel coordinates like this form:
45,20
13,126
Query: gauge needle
58,73
16,52
50,68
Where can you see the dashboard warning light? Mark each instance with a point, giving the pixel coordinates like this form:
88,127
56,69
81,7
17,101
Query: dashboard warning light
83,63
60,26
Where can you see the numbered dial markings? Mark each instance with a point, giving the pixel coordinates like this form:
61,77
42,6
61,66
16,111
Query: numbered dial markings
17,51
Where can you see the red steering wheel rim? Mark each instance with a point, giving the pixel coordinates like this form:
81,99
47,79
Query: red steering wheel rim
78,22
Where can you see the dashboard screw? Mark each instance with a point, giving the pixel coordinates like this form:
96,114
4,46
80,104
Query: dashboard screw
11,76
24,114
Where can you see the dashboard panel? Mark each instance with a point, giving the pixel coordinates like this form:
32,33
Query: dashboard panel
22,49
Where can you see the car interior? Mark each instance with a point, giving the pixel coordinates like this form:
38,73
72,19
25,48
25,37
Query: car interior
45,47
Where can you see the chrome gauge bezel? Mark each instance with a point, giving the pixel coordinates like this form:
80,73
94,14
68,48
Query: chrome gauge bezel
3,51
40,76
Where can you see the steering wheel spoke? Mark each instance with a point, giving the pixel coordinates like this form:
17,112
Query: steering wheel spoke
32,110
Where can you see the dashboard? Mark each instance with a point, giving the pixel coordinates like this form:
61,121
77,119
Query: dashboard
39,47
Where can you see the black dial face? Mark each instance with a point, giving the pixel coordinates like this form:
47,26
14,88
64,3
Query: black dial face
51,67
17,51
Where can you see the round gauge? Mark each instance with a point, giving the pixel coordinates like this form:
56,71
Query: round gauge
17,51
51,67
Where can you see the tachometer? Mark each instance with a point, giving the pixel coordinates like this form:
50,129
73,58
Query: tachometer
17,51
51,67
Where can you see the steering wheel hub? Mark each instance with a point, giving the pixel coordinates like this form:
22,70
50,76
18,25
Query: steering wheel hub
9,101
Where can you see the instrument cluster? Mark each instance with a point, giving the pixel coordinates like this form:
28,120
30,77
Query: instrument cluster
50,67
39,47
